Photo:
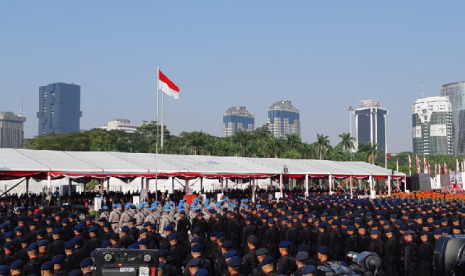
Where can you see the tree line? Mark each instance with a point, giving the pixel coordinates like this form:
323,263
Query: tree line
259,143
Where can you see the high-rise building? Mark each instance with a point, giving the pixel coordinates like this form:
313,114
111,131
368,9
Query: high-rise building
11,130
235,119
59,108
283,119
120,124
370,124
432,126
455,92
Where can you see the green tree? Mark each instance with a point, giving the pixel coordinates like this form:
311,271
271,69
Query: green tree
370,150
242,139
322,146
292,141
346,142
197,141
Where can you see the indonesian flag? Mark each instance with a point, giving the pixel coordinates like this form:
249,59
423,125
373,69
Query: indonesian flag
409,165
425,165
446,170
439,169
167,86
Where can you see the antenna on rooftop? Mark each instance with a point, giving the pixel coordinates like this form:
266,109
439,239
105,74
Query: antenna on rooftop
21,112
422,91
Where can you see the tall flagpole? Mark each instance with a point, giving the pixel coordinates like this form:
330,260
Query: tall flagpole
156,141
162,127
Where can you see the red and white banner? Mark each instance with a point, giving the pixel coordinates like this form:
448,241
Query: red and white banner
418,165
409,165
439,169
446,170
425,165
167,86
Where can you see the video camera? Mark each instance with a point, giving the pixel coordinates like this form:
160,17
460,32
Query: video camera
449,255
365,264
125,262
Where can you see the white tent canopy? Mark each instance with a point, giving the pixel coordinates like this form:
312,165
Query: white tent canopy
45,164
22,160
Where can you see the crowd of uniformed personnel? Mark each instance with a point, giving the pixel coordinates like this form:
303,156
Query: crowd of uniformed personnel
233,236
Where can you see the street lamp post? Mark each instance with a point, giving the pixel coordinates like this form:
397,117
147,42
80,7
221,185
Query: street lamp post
350,109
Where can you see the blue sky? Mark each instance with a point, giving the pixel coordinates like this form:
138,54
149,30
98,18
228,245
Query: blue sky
324,56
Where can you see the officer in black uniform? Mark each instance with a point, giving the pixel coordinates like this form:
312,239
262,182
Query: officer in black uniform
286,263
71,260
9,257
93,243
4,270
57,265
309,270
391,253
17,268
183,225
250,260
267,266
376,245
33,265
57,246
301,261
235,266
409,255
86,266
425,255
46,269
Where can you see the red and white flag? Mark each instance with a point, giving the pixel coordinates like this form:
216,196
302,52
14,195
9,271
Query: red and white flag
418,165
446,170
439,169
457,166
409,165
167,86
425,165
397,164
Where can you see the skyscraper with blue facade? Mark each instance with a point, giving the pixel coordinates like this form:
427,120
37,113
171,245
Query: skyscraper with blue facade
455,92
370,124
236,119
283,119
59,108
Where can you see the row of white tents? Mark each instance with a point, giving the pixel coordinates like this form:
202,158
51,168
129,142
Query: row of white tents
124,186
171,172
